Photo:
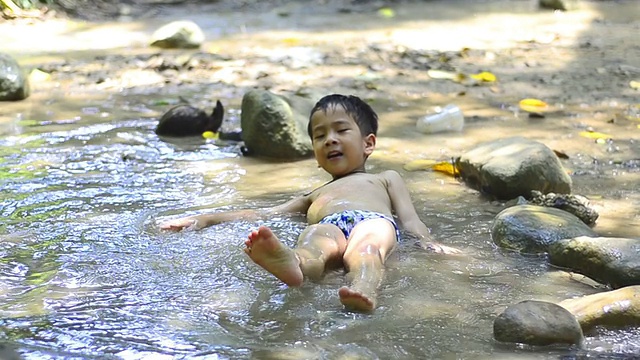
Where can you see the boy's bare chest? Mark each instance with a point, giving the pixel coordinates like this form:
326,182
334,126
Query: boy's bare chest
365,193
348,187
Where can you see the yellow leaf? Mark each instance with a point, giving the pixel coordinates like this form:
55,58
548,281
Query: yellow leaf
595,135
635,84
484,76
446,167
419,164
386,12
533,105
291,41
209,135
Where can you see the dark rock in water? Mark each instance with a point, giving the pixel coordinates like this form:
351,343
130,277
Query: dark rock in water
537,323
234,135
14,83
575,204
186,120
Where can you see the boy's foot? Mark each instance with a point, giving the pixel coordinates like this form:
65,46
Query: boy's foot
264,248
355,300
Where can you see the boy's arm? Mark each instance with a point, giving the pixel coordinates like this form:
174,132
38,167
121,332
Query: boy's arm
197,222
407,215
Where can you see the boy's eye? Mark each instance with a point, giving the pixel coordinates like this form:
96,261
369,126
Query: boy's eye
318,136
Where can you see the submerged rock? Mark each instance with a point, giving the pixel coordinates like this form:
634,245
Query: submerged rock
610,261
616,309
537,323
532,229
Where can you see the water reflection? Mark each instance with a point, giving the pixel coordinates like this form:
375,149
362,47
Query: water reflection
86,273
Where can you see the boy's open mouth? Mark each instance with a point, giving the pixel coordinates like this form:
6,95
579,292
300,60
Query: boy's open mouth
334,154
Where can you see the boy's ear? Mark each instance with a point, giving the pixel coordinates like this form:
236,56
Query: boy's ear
369,144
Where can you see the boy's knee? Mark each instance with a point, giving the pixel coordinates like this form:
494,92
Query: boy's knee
369,249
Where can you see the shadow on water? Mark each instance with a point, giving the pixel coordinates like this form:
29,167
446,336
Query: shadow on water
85,273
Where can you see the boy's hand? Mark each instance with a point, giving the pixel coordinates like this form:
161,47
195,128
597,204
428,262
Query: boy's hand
180,224
441,249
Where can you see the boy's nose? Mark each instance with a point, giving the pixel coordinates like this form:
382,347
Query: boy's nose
331,139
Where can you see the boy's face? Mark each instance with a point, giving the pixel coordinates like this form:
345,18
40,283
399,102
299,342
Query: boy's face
338,145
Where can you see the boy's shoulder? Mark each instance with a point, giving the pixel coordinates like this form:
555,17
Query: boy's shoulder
389,174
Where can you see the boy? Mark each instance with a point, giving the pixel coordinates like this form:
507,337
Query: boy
351,217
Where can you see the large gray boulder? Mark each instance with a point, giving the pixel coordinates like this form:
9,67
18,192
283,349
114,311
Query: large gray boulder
512,167
613,309
532,229
611,261
537,323
14,83
275,126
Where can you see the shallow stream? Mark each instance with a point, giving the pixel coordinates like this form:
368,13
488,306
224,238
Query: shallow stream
85,273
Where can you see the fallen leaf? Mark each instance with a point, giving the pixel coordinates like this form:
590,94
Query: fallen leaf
533,105
595,135
291,41
386,12
371,85
447,168
209,135
419,164
635,84
560,154
484,76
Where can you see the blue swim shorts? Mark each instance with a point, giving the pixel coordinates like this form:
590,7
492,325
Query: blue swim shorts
348,219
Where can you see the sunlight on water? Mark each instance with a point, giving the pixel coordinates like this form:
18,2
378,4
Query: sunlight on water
86,273
85,269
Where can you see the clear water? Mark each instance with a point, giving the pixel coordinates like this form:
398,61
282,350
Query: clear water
86,274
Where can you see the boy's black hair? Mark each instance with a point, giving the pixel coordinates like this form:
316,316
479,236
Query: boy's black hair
360,111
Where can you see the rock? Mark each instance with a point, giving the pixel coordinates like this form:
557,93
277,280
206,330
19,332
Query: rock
610,261
276,126
552,4
14,83
574,204
537,323
616,309
178,35
186,120
8,352
532,229
513,167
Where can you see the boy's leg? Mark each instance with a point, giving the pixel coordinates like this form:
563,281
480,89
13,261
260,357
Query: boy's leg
370,243
317,245
320,245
